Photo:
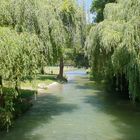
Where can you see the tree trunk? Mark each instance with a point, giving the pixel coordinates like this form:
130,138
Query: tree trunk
61,68
1,93
1,85
17,86
1,100
42,70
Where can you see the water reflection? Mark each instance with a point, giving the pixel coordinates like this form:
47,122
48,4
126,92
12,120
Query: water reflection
78,110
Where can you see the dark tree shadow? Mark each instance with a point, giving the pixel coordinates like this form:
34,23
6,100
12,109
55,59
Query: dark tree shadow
91,85
47,77
126,114
43,111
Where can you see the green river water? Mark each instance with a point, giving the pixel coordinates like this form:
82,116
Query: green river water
77,110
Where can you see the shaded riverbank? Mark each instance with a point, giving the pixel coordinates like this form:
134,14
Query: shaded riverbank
77,110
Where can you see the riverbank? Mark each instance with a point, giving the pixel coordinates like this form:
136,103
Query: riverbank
24,99
42,81
77,110
29,90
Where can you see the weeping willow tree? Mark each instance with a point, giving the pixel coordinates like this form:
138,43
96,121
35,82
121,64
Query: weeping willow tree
18,57
61,29
33,34
73,19
41,18
113,46
57,24
19,47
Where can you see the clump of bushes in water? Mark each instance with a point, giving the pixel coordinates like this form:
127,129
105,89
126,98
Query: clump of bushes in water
15,106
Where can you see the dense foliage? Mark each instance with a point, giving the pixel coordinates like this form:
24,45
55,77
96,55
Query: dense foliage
33,34
113,47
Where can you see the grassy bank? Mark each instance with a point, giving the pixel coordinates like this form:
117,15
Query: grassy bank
49,77
28,89
40,79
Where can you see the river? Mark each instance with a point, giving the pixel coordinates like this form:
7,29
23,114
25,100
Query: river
77,110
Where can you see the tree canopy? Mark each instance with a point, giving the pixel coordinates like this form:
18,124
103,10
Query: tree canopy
34,34
113,45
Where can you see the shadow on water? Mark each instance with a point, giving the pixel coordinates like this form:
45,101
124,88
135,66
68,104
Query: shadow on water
119,112
126,116
41,114
88,84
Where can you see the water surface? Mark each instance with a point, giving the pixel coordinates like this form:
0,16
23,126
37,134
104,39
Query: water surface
77,110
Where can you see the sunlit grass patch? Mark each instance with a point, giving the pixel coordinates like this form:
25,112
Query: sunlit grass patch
40,79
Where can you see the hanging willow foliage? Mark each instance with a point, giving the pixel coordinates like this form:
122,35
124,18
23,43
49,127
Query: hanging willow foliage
33,34
114,44
18,59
